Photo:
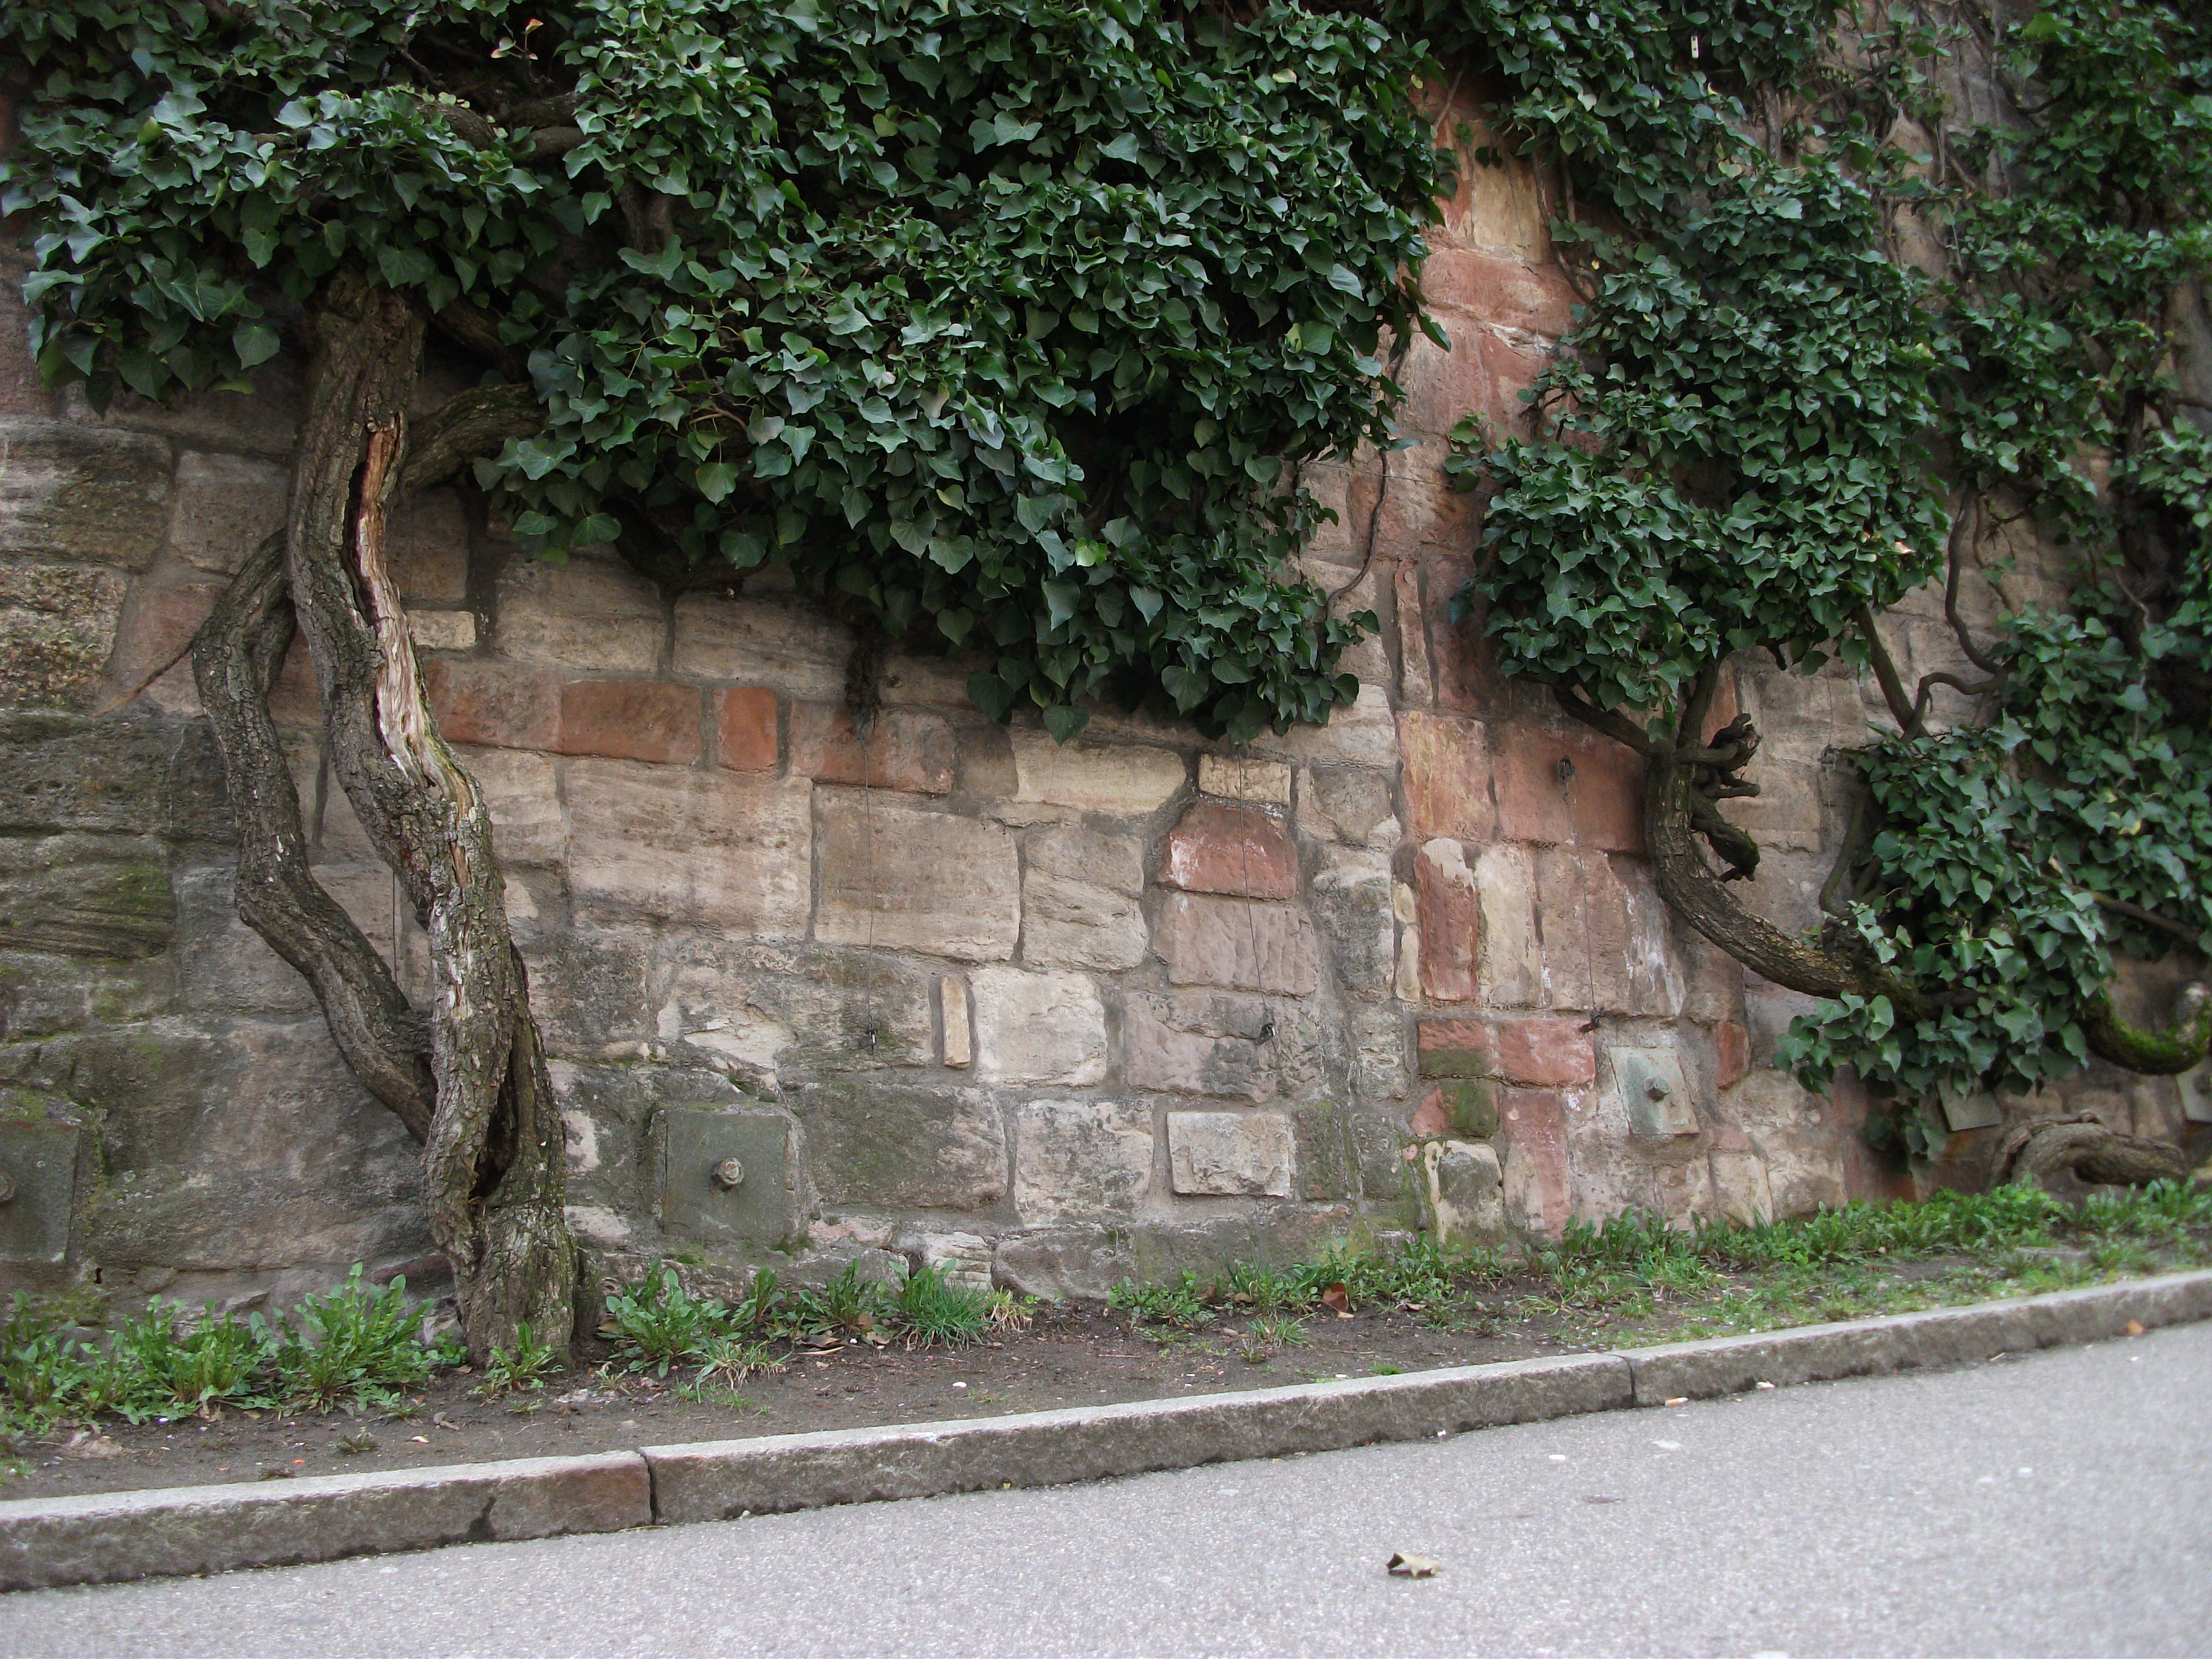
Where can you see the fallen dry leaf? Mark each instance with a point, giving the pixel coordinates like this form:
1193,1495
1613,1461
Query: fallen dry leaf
1402,1565
1338,1300
445,1422
420,1439
86,1443
2135,1328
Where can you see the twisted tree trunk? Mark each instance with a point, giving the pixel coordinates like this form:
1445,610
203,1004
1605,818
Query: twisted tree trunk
493,1160
2035,1151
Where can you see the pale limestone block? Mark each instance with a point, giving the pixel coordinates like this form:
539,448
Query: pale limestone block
225,507
1463,1193
894,878
1080,1157
1349,804
1237,777
1231,1154
1120,779
959,1042
710,847
1200,1042
1038,1028
1740,1189
442,630
585,616
785,643
964,1258
1363,734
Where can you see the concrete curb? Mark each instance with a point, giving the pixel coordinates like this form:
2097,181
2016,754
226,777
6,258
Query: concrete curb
106,1538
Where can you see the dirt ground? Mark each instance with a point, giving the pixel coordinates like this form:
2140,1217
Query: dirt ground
1068,1356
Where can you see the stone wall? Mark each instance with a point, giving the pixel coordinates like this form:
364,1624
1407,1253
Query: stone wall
1055,1014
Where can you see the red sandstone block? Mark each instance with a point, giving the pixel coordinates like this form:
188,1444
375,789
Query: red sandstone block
1532,1123
907,749
1511,372
1451,922
1442,386
1466,678
1732,1043
1596,801
1503,292
493,703
1532,796
1545,1050
745,719
1447,775
631,720
1219,849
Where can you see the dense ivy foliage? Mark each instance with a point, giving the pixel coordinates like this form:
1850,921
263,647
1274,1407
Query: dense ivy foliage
1007,324
1766,427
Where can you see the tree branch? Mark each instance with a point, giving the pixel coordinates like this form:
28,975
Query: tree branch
1954,561
2194,938
2181,1047
236,655
469,424
1620,728
1901,709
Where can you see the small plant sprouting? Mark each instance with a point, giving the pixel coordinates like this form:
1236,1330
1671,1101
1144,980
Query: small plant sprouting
524,1369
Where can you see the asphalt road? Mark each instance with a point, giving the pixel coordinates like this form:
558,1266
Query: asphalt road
2058,1503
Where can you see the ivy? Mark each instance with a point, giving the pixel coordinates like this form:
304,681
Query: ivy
1766,427
1007,324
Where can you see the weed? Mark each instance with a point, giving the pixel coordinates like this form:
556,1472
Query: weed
155,1369
1010,1314
1182,1304
712,1394
932,1311
1386,1367
729,1360
354,1343
526,1367
355,1443
658,1323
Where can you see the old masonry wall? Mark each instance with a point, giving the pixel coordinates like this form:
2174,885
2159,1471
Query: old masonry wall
1057,1014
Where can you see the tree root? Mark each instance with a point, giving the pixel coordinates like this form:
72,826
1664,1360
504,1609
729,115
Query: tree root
2034,1151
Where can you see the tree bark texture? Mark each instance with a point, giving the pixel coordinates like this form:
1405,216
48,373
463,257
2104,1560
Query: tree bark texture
494,1169
2036,1151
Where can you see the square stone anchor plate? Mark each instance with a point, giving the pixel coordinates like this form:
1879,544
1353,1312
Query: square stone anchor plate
692,1143
38,1163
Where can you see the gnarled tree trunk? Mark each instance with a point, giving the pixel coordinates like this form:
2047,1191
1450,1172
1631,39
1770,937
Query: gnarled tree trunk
493,1157
2035,1151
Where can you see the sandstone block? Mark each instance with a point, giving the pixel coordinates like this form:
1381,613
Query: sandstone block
631,720
1347,804
1451,921
1231,1154
521,794
1077,1158
1740,1189
786,643
1198,1043
1114,862
427,548
959,1036
696,846
1363,734
1038,1028
86,895
58,625
1533,1125
897,878
1241,778
1230,849
1556,788
1464,1107
442,630
965,1258
1462,1193
1118,780
1497,207
1504,293
494,703
585,615
1352,906
1066,923
225,505
1237,943
901,1146
1732,1054
1447,777
745,723
159,620
76,493
909,750
1543,1050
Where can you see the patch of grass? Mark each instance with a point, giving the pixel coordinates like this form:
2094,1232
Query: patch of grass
1181,1305
523,1369
932,1311
165,1364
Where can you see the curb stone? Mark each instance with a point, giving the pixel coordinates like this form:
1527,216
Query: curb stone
108,1537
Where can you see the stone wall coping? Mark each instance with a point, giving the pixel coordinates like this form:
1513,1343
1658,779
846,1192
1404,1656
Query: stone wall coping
110,1537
